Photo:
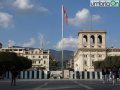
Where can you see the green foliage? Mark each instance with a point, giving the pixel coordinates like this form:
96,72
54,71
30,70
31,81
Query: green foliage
108,62
9,59
98,64
23,63
70,69
54,63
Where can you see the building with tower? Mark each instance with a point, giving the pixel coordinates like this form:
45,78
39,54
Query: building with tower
92,47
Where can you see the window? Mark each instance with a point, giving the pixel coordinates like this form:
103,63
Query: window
85,55
36,52
33,62
40,52
39,56
44,62
85,62
72,60
44,56
85,39
32,52
92,46
99,55
39,62
33,56
92,63
84,46
26,52
99,46
92,56
26,56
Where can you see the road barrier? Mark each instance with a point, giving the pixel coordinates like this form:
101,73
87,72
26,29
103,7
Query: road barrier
46,75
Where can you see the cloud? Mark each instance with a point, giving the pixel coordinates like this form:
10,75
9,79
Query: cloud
11,43
23,7
18,44
6,20
41,38
69,43
115,40
32,41
47,42
83,18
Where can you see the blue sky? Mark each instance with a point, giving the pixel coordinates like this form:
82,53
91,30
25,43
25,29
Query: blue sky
29,22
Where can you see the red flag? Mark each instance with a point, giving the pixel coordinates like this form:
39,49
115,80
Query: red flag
65,15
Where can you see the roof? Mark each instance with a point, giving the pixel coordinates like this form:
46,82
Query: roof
92,31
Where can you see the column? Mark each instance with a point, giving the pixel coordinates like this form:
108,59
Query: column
96,41
81,59
89,59
80,41
88,37
104,41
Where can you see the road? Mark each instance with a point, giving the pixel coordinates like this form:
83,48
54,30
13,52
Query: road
55,84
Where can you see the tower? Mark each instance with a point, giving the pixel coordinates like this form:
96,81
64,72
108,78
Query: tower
91,46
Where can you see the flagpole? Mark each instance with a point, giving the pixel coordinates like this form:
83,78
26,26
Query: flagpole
62,41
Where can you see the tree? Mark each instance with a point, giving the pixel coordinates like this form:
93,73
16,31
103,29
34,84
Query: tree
70,69
9,59
23,63
54,63
108,62
98,64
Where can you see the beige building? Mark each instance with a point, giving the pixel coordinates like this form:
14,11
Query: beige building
91,47
40,58
18,51
71,63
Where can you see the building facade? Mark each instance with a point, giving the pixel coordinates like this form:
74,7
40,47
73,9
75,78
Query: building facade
40,58
18,51
71,63
92,47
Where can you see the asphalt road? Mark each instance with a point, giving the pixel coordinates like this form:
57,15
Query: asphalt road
55,84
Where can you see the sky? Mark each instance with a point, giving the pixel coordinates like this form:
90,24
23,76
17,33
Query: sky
28,23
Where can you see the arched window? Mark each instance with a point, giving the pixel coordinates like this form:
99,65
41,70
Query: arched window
92,39
100,39
84,39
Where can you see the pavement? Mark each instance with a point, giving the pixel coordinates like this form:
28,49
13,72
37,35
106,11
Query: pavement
58,84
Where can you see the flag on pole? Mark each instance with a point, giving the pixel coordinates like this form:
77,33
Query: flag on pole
65,15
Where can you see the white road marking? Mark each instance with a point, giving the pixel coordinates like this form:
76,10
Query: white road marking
85,86
38,88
